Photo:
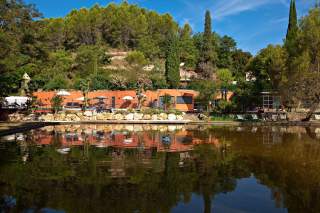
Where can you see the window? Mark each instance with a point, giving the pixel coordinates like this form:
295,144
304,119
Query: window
184,99
267,101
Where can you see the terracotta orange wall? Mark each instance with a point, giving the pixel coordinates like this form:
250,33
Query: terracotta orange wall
151,97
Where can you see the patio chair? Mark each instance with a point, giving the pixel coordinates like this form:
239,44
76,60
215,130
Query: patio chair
254,117
283,116
275,117
239,118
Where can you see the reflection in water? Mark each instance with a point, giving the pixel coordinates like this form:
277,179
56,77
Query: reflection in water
134,168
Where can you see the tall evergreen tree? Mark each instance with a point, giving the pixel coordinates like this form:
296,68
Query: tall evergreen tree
291,43
188,51
207,55
293,20
207,47
172,66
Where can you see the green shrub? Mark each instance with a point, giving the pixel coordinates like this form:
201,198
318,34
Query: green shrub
56,103
136,58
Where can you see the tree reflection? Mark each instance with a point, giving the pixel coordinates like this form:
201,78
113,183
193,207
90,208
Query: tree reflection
113,179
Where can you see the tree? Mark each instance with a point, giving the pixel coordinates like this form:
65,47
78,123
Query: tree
172,72
207,91
240,60
207,54
167,101
302,88
227,47
225,79
291,44
56,103
274,60
188,51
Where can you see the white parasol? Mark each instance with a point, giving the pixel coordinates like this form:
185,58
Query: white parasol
63,93
127,98
80,99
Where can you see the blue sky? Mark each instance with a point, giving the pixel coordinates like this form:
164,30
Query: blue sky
253,23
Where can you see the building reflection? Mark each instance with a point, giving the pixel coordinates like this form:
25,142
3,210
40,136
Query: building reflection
127,137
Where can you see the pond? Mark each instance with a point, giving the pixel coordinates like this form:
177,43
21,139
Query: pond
152,168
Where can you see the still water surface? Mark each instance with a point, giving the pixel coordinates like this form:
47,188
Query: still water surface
134,168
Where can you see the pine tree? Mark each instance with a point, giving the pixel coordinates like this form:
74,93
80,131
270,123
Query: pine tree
173,63
188,51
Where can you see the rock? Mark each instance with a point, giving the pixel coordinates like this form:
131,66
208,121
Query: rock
88,114
180,118
101,117
163,128
118,117
172,128
130,128
163,116
146,117
129,117
31,117
147,127
154,117
172,117
202,117
76,118
108,116
138,128
138,116
47,117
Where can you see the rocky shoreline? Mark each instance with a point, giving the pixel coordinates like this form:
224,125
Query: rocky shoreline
93,116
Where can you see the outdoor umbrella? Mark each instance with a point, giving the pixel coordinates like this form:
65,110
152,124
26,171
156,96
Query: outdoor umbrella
100,97
127,98
63,93
80,99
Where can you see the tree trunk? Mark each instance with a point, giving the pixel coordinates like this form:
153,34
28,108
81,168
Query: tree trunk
313,108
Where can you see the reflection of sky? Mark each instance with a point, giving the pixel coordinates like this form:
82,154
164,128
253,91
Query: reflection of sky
248,197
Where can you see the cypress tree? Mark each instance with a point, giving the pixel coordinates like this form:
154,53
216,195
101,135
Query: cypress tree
172,66
293,20
207,47
207,54
291,37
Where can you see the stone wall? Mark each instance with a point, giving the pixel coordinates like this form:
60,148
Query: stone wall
93,116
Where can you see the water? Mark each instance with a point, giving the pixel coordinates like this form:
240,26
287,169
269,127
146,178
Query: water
134,168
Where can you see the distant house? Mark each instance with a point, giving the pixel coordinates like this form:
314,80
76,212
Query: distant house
271,100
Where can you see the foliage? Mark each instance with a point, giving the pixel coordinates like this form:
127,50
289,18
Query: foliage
58,53
136,58
226,48
292,33
188,51
167,101
208,54
225,78
56,103
302,85
224,106
173,63
207,91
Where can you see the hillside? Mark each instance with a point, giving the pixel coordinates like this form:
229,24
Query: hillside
64,52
